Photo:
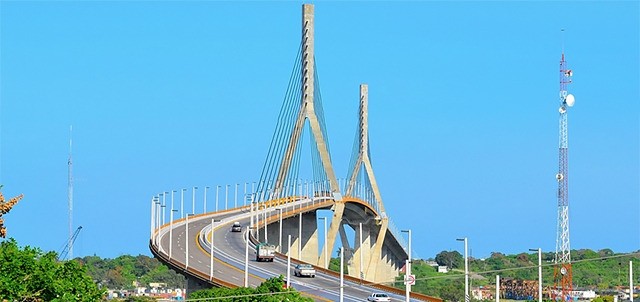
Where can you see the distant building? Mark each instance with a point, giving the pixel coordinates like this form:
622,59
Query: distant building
443,269
483,293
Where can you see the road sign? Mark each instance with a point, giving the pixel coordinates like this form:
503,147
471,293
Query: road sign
410,279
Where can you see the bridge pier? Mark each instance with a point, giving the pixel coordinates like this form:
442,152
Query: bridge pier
362,253
304,248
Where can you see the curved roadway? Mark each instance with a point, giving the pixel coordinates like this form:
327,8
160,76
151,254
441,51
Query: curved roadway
229,257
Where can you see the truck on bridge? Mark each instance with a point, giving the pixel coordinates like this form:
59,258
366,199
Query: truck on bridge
265,252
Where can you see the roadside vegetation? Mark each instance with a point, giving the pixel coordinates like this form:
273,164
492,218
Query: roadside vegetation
598,270
271,290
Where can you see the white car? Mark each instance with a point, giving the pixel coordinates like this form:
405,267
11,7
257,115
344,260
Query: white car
236,227
379,297
305,270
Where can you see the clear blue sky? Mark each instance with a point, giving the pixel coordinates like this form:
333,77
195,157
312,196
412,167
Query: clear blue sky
463,113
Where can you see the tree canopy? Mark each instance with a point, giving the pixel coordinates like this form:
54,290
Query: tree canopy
28,274
271,290
451,259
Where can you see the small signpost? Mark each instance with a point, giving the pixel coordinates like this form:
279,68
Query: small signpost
410,279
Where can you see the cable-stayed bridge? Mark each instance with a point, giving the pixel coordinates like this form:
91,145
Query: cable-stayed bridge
297,181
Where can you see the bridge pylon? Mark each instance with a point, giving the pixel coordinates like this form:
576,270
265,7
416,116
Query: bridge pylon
362,184
302,110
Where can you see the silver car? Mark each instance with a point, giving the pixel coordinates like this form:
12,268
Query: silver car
379,297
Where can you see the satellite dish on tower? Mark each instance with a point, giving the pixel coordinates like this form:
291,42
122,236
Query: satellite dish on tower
570,100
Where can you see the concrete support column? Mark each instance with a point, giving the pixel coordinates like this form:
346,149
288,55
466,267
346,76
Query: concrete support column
309,240
362,254
309,237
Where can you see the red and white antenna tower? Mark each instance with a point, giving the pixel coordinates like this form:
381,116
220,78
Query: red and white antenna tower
562,275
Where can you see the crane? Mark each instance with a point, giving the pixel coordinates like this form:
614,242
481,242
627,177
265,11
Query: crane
65,250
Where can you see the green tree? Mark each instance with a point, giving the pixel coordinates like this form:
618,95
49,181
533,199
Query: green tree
451,259
334,265
271,290
28,274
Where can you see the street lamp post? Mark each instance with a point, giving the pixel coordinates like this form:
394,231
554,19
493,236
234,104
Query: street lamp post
182,203
246,259
300,237
466,269
205,200
631,280
186,251
497,288
361,256
211,254
280,229
408,268
341,274
288,261
226,197
153,201
164,202
217,191
171,229
264,220
158,203
235,197
193,200
539,250
326,265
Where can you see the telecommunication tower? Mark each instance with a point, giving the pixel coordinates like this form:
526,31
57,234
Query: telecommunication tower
562,275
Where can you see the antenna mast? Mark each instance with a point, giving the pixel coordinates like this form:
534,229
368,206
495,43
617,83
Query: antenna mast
562,275
70,194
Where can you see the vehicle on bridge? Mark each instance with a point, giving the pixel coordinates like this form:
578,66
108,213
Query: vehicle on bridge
305,270
265,252
379,297
236,227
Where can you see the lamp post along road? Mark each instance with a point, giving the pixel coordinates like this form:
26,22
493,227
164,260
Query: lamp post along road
204,205
171,227
226,197
361,269
280,229
341,274
193,200
300,237
186,250
466,269
157,223
164,204
246,258
153,201
288,261
631,280
235,198
217,191
408,269
182,203
211,254
264,220
497,288
539,250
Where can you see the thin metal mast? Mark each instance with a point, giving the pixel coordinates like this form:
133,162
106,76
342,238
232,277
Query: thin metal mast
562,269
70,193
